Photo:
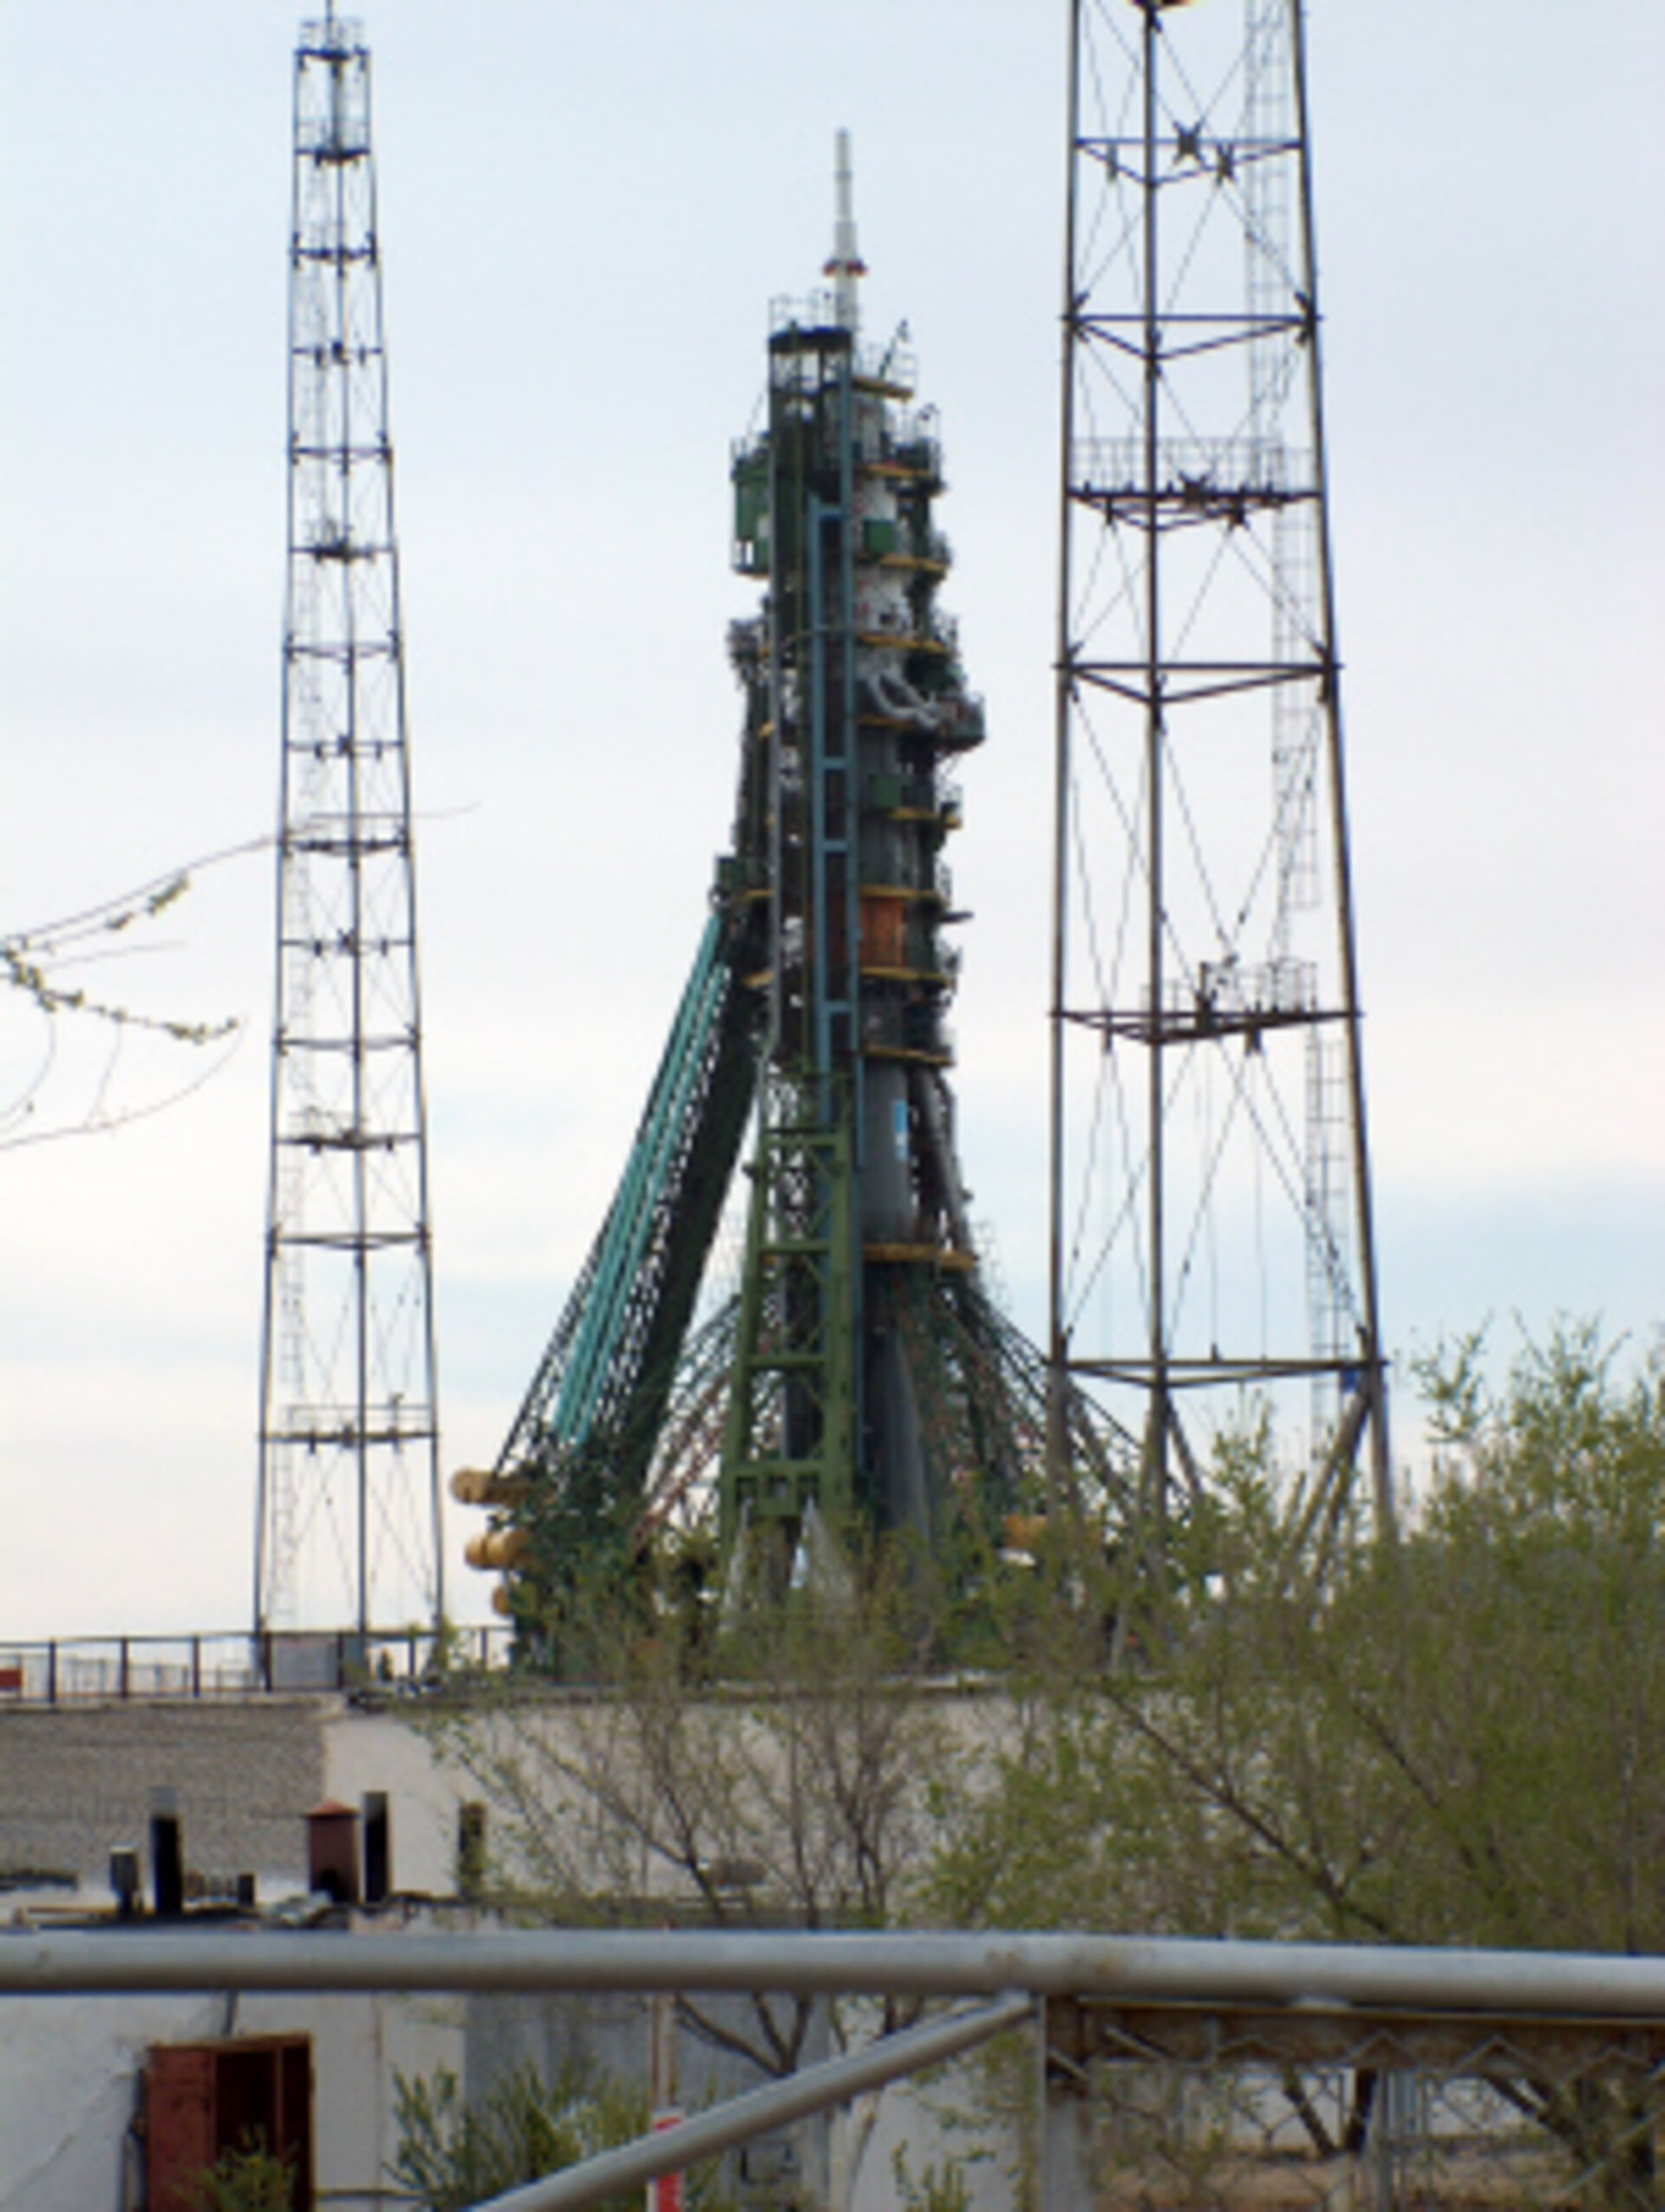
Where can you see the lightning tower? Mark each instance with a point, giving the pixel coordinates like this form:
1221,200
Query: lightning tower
1211,1235
348,1515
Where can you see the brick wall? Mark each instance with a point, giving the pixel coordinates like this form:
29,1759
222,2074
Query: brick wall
74,1782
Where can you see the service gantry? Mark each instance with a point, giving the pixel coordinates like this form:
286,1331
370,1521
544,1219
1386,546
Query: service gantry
348,1515
856,692
861,1381
1213,1247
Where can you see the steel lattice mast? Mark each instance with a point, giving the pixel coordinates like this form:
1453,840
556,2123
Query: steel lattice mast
1212,1226
348,1519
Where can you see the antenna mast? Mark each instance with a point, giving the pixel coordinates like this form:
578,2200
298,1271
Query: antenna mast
348,1518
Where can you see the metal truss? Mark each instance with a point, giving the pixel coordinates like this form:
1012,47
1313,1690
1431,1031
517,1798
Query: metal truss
789,1443
1211,1238
348,1518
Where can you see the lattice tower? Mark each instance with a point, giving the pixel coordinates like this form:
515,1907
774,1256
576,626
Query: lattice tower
1212,1234
348,1521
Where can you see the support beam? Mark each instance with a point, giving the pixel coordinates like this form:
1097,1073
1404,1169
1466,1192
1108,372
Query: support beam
1314,1978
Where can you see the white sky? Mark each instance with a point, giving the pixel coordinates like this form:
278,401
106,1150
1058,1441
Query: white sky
585,211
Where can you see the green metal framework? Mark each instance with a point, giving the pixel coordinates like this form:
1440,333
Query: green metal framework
790,1440
862,1379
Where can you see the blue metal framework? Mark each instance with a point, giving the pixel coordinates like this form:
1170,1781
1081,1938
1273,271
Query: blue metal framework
604,1381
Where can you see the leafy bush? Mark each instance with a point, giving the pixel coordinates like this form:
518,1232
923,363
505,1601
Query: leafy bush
450,2157
937,2189
247,2179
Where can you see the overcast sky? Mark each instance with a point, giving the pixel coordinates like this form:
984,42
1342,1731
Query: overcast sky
585,211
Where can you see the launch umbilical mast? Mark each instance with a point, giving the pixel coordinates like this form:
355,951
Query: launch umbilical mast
861,1382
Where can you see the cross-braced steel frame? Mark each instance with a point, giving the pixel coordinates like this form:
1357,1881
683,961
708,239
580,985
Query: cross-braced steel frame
1211,1236
348,1516
1542,2033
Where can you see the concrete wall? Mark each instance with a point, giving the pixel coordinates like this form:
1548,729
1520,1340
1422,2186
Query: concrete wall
74,1782
367,1748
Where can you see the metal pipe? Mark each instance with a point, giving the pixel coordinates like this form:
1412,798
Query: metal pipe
1129,1970
615,2172
1374,1386
1155,1499
1063,709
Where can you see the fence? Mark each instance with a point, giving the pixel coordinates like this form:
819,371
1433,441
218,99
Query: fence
1312,2113
72,1670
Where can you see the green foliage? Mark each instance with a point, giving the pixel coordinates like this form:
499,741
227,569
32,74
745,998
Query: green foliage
246,2179
450,2157
803,1787
937,2189
1454,1735
1519,1698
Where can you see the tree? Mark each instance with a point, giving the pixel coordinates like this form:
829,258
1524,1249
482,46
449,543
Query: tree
804,1785
1452,1734
35,971
247,2178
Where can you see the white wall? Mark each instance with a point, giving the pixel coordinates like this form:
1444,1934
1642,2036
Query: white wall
70,2071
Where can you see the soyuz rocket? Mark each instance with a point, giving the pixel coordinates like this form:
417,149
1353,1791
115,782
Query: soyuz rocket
860,1384
857,712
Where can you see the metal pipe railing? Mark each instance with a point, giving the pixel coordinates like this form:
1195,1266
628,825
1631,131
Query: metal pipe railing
1127,1970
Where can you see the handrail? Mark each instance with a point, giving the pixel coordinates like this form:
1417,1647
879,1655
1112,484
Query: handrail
1150,1971
197,1668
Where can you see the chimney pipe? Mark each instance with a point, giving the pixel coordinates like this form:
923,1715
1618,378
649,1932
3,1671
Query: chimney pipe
471,1851
377,1836
166,1860
124,1880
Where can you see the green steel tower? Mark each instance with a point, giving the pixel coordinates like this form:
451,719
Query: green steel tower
861,1381
858,1224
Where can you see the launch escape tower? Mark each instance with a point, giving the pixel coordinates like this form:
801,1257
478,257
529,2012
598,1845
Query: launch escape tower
347,1517
1211,1235
861,1378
